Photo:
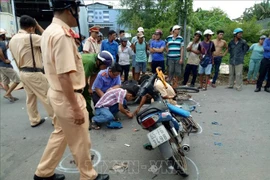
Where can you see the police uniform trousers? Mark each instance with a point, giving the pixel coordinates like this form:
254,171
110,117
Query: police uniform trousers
77,137
36,86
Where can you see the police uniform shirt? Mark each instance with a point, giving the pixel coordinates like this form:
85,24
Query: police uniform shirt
62,56
20,48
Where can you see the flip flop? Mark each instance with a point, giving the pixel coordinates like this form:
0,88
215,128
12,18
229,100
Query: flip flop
9,98
15,99
95,126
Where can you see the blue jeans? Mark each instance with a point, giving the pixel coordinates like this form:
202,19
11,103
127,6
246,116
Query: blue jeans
103,115
217,62
254,67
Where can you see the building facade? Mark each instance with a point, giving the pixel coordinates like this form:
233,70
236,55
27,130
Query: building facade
104,16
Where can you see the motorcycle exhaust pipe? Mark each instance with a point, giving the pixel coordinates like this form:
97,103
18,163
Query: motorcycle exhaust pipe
185,144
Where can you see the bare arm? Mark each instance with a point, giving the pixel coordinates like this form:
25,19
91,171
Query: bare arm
124,111
92,79
143,100
99,92
159,49
2,57
189,48
226,47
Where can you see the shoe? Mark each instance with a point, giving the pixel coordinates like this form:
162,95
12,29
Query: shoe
257,90
40,122
229,87
102,177
192,85
54,177
213,85
267,89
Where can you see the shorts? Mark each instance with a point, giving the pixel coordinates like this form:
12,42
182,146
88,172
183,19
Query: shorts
134,61
174,67
207,70
140,66
8,74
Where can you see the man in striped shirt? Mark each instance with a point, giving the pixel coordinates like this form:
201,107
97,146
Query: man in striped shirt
110,103
175,51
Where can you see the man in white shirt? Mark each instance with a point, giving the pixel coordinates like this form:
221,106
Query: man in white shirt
193,59
124,53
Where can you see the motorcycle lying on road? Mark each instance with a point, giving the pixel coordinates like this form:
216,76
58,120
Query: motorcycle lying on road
165,131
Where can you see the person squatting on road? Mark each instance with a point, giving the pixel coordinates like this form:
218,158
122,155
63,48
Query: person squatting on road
106,80
64,70
111,103
92,64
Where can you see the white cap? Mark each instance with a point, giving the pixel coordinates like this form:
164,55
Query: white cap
208,31
2,31
140,29
176,27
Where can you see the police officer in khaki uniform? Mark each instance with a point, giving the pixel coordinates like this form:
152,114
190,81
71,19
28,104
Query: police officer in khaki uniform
35,83
91,44
65,73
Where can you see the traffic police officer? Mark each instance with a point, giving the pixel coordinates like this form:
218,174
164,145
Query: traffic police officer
65,73
27,54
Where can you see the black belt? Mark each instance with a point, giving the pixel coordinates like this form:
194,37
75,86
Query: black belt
31,69
78,91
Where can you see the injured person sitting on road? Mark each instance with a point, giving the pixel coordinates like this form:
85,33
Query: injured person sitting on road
111,103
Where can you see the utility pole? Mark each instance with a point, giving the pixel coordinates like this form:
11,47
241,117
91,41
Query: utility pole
14,16
185,28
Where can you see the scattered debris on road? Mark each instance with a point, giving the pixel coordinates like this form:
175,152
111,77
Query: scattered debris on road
127,145
148,146
218,143
120,167
135,130
217,134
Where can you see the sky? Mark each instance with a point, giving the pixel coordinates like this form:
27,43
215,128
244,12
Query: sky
234,8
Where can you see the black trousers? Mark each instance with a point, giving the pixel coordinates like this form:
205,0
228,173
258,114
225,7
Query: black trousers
264,68
156,64
125,70
190,68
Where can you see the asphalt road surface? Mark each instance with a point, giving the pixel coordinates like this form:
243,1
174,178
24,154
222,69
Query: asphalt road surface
234,143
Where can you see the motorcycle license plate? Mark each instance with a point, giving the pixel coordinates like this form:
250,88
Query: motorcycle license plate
158,136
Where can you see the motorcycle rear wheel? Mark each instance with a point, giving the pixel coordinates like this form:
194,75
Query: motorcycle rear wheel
178,159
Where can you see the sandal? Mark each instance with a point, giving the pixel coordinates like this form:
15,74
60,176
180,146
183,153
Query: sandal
9,98
204,89
95,126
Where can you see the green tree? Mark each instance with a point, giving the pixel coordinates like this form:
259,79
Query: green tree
259,11
203,19
162,14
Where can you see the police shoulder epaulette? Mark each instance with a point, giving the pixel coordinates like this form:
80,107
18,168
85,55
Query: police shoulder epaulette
67,33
